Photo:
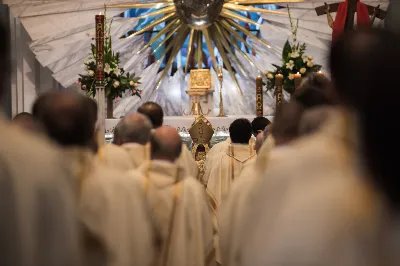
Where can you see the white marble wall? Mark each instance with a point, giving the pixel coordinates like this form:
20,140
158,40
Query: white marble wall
28,77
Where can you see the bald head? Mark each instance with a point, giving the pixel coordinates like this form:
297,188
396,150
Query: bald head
166,144
134,128
67,118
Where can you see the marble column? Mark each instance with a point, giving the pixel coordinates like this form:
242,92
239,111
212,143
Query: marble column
392,20
28,77
6,97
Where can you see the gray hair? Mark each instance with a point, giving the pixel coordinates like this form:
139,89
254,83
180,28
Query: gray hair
134,128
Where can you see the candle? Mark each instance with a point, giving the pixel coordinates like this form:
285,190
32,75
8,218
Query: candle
99,48
320,73
259,97
297,80
278,80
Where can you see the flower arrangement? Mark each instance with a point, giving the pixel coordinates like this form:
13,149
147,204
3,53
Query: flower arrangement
116,82
294,60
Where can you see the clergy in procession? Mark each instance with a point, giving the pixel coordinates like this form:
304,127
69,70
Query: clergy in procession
258,125
109,202
226,166
155,113
179,205
133,136
38,224
331,198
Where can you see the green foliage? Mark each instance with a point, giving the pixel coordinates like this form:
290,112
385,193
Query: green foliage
117,82
294,60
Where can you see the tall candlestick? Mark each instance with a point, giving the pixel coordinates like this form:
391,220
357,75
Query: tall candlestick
99,78
221,102
99,49
259,97
279,89
297,80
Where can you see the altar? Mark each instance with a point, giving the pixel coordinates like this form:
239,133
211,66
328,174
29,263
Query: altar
182,124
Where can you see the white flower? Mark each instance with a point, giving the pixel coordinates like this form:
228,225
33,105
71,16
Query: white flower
270,76
107,68
303,70
116,84
132,83
310,64
291,76
91,73
310,58
305,59
117,71
290,65
295,54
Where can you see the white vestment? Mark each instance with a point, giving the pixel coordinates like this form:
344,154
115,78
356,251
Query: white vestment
114,211
312,206
38,222
115,157
137,153
225,167
181,214
187,161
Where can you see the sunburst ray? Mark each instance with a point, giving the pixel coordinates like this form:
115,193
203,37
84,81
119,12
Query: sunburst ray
163,31
232,15
178,42
199,50
153,24
210,48
165,10
155,5
190,45
228,27
166,38
252,9
262,2
221,50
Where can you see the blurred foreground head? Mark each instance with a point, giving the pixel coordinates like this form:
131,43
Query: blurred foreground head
133,128
166,144
4,57
364,68
26,121
67,118
154,112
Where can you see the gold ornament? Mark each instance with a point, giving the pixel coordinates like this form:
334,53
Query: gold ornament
213,20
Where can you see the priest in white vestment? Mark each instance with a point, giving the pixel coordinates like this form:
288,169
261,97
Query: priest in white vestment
331,198
134,132
226,166
179,204
156,115
112,210
38,222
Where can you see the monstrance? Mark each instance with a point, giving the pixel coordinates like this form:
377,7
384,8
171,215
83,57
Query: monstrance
214,20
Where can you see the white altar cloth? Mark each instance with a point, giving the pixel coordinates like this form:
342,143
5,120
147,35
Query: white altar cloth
182,123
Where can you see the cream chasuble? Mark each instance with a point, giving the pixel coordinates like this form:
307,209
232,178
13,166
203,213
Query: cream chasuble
187,161
38,222
137,153
181,215
312,206
115,157
225,167
114,211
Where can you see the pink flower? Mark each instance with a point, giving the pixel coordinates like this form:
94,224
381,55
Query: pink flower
117,99
141,92
77,82
134,91
83,87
